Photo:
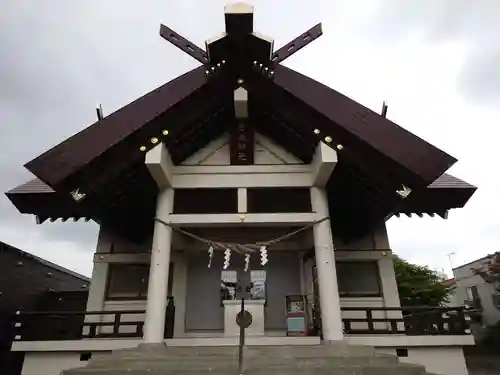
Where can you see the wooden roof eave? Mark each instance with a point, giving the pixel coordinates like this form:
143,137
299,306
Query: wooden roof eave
438,199
406,158
46,204
364,204
57,165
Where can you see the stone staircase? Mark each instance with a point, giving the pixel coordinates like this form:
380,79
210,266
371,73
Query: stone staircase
335,359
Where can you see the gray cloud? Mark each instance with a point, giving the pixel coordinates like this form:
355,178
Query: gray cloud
58,61
475,24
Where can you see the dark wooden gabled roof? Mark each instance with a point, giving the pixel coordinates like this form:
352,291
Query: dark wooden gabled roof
376,156
101,151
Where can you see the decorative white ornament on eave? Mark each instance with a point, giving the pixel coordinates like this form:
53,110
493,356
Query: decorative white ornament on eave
77,196
404,191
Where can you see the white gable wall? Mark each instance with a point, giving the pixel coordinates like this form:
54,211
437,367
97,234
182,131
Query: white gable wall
266,152
215,153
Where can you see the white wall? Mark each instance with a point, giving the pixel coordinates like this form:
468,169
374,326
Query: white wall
47,363
266,152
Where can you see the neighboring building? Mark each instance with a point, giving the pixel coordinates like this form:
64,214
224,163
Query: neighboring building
30,283
474,291
453,298
239,151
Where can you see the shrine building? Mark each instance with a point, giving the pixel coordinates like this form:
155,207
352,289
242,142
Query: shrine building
242,179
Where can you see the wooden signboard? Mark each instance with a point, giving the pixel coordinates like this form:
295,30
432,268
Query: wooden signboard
242,144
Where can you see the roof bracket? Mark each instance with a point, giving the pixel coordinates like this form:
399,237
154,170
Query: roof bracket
183,44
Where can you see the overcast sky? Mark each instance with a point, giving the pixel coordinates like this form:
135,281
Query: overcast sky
437,62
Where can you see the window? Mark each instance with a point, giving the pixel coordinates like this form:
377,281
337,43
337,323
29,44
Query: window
130,281
473,298
358,279
470,293
402,352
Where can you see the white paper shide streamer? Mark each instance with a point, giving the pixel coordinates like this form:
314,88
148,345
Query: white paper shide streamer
210,256
247,261
263,255
227,258
246,249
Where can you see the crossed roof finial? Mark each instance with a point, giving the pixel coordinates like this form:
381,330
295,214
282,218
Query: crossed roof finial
239,32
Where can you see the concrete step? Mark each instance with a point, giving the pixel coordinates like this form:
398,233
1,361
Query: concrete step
211,356
317,351
279,370
338,359
264,359
216,363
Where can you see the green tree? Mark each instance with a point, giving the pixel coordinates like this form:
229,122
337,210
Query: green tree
490,339
419,285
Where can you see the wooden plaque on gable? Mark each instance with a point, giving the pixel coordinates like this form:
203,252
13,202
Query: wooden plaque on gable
242,144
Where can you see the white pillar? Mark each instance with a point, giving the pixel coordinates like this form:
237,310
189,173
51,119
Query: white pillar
154,323
331,318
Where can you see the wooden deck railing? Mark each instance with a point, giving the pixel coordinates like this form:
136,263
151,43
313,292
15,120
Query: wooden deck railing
75,325
54,325
408,321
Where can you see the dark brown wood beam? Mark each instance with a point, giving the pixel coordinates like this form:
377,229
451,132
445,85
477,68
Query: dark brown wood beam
195,140
219,113
297,44
443,214
276,129
40,219
183,44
